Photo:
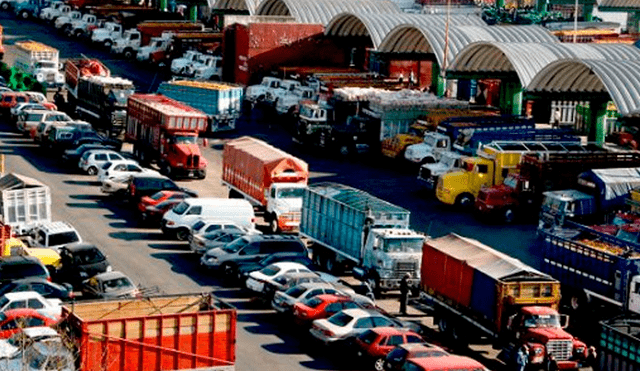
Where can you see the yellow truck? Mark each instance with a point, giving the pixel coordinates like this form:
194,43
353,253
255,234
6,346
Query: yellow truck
16,247
494,162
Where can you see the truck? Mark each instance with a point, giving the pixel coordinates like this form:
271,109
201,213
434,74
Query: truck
598,194
24,202
521,193
156,44
30,9
618,343
475,291
268,177
349,228
493,163
220,101
39,60
430,173
288,103
253,93
81,27
182,41
107,34
133,39
195,332
165,131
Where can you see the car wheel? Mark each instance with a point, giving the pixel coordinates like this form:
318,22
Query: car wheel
378,364
509,216
92,170
182,234
107,44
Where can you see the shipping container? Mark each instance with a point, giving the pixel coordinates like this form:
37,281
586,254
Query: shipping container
25,202
179,332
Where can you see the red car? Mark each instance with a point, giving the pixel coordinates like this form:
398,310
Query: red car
376,343
323,306
14,320
159,197
153,214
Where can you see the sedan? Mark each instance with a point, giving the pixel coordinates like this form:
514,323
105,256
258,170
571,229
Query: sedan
399,355
118,168
283,302
115,185
31,300
153,214
14,320
48,290
158,197
261,282
325,306
9,348
346,325
200,244
18,108
374,345
109,285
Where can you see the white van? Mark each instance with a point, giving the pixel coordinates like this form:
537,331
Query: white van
178,221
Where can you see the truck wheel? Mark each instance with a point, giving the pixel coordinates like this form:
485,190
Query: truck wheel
107,44
24,14
273,224
464,201
509,216
329,263
344,150
92,170
182,234
78,34
374,284
229,271
4,5
128,53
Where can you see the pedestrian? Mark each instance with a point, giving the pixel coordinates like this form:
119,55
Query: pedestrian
557,116
59,100
552,364
404,292
522,358
592,356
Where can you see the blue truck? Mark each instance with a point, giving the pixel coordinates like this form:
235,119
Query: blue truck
30,9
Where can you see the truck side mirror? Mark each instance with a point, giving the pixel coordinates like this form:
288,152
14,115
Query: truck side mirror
564,321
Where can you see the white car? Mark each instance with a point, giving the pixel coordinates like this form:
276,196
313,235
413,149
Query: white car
348,324
12,346
32,300
267,275
91,161
115,185
283,302
16,110
112,169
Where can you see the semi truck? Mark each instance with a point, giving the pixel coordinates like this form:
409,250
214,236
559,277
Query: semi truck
39,60
24,202
165,131
349,228
477,292
268,177
194,332
220,101
598,193
521,193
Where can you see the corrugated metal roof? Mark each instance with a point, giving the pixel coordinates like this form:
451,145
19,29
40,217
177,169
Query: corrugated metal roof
527,59
620,79
249,5
483,258
322,11
355,198
619,4
17,181
377,25
618,182
431,39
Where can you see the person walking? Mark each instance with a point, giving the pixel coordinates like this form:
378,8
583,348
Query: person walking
58,99
404,293
522,358
557,116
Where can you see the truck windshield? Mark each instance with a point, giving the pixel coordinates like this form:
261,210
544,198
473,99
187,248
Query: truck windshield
45,65
290,192
534,320
555,204
402,245
185,139
511,182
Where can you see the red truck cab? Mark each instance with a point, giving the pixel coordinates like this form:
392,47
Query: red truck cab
180,153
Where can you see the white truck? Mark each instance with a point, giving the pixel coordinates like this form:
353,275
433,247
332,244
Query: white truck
429,151
107,34
63,22
209,69
156,44
39,60
288,102
254,93
80,27
429,173
56,9
128,44
24,202
179,65
287,86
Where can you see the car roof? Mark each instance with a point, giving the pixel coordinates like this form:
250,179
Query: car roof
437,363
416,347
22,295
109,275
301,274
289,265
386,330
57,226
314,285
361,313
80,246
19,260
21,312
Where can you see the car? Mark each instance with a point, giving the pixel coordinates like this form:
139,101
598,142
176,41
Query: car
109,285
53,235
112,169
153,214
200,244
145,185
37,97
12,346
42,130
15,111
116,186
396,358
81,261
13,321
373,345
205,225
72,156
92,160
43,356
283,301
160,196
29,119
17,247
19,267
324,306
47,289
288,280
449,362
10,99
32,300
345,325
261,282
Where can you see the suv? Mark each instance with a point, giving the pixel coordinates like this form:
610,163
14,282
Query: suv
147,185
81,261
53,235
18,267
250,248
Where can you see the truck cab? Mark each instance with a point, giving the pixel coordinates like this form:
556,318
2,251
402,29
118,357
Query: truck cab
272,95
288,102
394,147
128,44
313,121
254,93
46,14
31,8
106,35
209,69
62,23
461,187
283,206
430,150
180,155
358,134
156,44
429,173
569,204
80,28
179,65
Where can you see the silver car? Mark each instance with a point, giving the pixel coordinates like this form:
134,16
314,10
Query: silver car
109,285
201,243
41,356
283,301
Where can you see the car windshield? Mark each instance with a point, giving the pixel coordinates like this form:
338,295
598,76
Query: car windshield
184,139
296,291
165,205
402,245
90,256
235,245
116,284
271,270
43,64
290,192
340,319
181,208
63,238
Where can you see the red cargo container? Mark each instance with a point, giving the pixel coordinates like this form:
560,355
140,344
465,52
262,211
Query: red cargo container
153,334
422,72
448,276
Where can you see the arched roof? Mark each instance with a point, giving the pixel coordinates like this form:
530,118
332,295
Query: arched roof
431,39
620,79
527,59
322,11
377,25
249,5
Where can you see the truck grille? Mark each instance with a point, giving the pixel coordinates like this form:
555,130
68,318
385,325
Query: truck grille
561,349
50,77
405,267
193,161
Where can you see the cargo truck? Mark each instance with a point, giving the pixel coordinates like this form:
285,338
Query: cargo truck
25,202
30,9
133,39
521,193
268,177
39,60
351,229
194,332
430,173
493,164
165,131
619,344
220,101
476,292
598,194
181,41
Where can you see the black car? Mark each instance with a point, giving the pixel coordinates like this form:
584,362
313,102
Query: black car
72,156
296,257
18,267
45,288
148,185
80,261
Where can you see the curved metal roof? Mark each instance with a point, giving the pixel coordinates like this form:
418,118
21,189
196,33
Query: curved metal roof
619,78
409,38
527,59
377,26
322,11
249,5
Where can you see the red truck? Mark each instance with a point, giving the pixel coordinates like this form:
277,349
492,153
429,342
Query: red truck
177,332
521,193
268,177
476,292
165,131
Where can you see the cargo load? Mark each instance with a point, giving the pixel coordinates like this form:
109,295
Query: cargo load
26,202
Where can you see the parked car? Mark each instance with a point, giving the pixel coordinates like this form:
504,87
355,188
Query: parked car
32,300
346,325
43,356
10,99
116,185
38,97
15,111
261,282
445,363
47,289
43,128
112,169
205,225
16,247
324,306
147,185
152,215
200,244
72,156
13,321
287,281
373,345
19,267
109,285
160,196
283,301
53,235
19,341
92,160
29,119
397,357
81,261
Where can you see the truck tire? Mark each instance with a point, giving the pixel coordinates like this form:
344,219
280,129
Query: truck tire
182,234
373,281
464,201
128,53
24,14
509,215
107,43
274,228
4,5
329,263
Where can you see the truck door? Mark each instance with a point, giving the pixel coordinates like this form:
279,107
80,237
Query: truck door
482,176
634,295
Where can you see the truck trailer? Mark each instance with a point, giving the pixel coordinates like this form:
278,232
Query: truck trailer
24,202
268,177
352,229
165,131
